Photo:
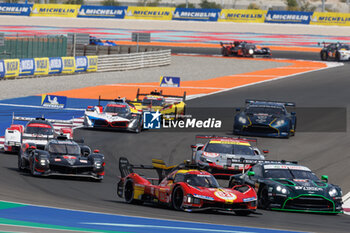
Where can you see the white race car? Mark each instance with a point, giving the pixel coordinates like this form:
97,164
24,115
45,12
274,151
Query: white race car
117,114
38,131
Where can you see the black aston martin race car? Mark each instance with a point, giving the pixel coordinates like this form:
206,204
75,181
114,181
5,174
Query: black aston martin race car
61,157
335,51
287,186
243,49
265,118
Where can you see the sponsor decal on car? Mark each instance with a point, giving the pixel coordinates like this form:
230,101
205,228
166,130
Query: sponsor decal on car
227,196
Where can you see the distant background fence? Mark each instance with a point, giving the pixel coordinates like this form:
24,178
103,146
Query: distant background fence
30,47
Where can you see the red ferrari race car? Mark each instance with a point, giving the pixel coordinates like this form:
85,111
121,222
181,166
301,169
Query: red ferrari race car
183,187
243,49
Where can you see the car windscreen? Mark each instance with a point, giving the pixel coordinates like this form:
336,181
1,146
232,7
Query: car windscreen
250,46
205,181
116,109
153,102
344,46
64,149
289,174
39,128
229,149
265,110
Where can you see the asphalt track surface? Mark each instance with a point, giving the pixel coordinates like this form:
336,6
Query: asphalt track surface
324,152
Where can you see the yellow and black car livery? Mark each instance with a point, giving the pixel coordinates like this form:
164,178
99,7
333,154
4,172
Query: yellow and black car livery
170,106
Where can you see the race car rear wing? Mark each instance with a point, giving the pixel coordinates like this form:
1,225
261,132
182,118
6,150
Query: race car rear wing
126,168
226,137
14,118
155,92
255,161
118,100
287,104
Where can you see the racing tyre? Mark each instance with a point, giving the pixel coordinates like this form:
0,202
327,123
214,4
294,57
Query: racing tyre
20,162
129,193
263,200
324,56
177,198
337,56
242,212
32,167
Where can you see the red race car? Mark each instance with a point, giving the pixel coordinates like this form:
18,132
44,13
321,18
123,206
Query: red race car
183,187
243,49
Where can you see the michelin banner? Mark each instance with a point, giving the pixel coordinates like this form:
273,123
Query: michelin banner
41,66
53,101
55,10
55,65
242,16
11,68
155,13
117,12
81,64
15,9
294,17
68,65
92,63
2,69
26,66
330,19
196,14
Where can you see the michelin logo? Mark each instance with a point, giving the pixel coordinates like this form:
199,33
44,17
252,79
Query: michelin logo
169,81
53,101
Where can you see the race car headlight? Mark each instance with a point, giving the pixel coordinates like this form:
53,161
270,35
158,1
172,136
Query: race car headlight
281,189
333,192
280,122
251,51
191,199
43,162
242,120
132,124
98,164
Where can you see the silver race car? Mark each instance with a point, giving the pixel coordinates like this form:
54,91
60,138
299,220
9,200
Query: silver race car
220,155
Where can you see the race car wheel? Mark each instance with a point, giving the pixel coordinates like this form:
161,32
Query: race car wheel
243,212
20,162
129,193
264,202
224,52
324,56
177,198
32,167
337,56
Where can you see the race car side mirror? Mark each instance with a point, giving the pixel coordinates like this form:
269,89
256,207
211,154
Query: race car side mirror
324,178
250,173
266,151
238,109
96,151
193,146
293,113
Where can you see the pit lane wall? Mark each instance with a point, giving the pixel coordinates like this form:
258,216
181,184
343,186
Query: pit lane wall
176,14
12,68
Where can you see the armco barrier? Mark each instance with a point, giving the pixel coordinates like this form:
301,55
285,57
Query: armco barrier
132,61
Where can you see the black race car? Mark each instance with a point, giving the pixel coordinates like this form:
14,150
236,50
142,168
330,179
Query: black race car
335,51
243,49
62,157
265,118
287,186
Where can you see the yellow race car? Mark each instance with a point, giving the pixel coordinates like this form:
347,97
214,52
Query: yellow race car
170,106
